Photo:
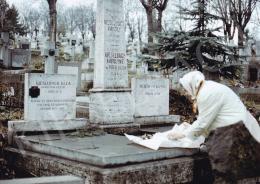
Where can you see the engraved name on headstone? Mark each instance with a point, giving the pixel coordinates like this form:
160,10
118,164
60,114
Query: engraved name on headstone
151,96
111,64
49,97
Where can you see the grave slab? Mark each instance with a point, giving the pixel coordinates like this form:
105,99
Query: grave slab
46,180
106,150
184,170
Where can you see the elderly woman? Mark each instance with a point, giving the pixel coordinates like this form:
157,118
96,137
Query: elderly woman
232,133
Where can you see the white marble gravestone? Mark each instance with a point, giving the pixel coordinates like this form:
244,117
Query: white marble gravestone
49,105
257,49
71,69
49,97
151,96
110,99
111,65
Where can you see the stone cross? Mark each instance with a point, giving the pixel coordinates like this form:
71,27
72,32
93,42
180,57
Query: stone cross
49,52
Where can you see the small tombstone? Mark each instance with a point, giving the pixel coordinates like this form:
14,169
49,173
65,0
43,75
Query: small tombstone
49,97
151,96
20,58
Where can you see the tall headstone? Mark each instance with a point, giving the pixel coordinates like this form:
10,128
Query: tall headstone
110,99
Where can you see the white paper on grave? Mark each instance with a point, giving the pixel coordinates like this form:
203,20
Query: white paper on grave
160,139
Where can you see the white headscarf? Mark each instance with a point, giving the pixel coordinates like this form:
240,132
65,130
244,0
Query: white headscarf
191,82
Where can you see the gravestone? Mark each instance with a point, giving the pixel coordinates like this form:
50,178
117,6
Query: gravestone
257,48
151,96
49,97
110,99
92,50
49,105
20,58
71,69
5,59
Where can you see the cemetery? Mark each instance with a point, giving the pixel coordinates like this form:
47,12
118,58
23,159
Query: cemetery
125,91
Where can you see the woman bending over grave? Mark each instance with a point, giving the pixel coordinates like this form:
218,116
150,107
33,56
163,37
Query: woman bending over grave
232,133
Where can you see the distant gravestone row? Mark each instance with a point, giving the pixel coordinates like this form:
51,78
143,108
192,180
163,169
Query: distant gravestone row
14,58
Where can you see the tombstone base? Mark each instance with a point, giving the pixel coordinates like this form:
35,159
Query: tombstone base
44,126
111,106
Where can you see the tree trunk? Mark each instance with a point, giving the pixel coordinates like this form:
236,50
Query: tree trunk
149,14
53,20
159,21
240,36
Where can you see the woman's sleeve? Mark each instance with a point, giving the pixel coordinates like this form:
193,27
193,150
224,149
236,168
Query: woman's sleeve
209,108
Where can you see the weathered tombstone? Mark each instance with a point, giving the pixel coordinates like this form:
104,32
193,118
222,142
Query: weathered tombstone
49,104
151,96
4,51
49,97
71,69
110,99
257,50
20,58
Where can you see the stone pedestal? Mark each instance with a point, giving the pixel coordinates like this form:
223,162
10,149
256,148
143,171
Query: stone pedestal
111,106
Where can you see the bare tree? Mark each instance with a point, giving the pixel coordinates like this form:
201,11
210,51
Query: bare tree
82,20
70,19
222,8
241,11
92,21
130,23
85,20
32,21
140,28
130,19
235,14
150,6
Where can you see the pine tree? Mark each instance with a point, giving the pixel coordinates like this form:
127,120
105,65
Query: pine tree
10,19
197,49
